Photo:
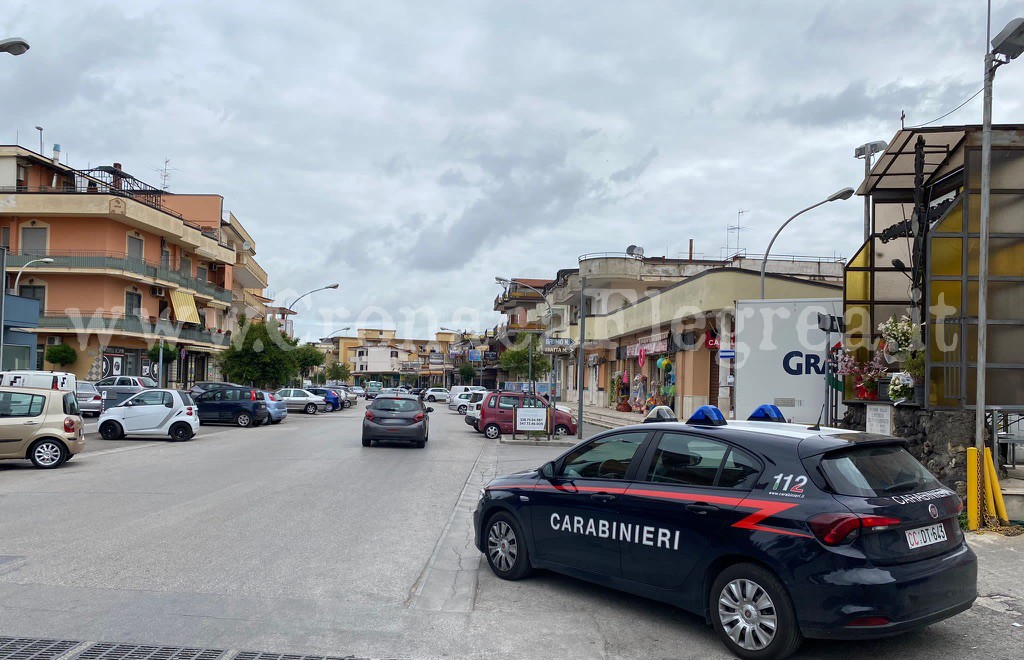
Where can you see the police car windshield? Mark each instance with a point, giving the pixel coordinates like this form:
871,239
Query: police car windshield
876,472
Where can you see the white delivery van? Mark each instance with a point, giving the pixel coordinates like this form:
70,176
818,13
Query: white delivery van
781,356
47,380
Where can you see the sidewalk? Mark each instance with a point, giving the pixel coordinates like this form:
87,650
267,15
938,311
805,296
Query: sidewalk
609,418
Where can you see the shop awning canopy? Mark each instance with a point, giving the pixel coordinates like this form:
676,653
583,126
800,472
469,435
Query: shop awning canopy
184,307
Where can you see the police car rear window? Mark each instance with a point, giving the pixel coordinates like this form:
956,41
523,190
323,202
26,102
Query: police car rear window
876,472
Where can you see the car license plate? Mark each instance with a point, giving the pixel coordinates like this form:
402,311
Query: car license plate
918,538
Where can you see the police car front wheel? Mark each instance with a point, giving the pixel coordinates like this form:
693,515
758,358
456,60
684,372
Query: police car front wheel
506,548
753,614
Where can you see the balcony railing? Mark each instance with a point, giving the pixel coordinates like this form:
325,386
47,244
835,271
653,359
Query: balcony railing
121,261
108,322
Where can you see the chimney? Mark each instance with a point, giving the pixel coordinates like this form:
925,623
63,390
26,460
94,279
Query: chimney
56,154
117,176
691,249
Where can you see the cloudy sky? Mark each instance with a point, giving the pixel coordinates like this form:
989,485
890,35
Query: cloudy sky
413,151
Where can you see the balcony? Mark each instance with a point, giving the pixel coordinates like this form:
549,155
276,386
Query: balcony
149,328
248,273
131,267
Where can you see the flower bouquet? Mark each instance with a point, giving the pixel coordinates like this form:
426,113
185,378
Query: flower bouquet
865,374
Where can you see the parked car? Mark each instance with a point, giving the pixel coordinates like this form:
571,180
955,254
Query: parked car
302,400
472,417
358,391
169,413
277,409
417,390
47,380
334,401
116,389
460,402
436,394
456,390
207,385
242,406
89,399
373,388
400,417
498,408
350,397
42,425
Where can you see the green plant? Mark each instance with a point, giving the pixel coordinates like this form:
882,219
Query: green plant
61,355
306,357
516,361
338,371
467,373
259,355
170,353
914,365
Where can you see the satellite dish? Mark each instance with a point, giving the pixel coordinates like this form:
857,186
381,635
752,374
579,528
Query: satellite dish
246,245
635,251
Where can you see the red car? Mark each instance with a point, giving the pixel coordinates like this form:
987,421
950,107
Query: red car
497,412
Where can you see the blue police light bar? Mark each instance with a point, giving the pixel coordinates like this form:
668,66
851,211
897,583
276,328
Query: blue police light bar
707,416
767,413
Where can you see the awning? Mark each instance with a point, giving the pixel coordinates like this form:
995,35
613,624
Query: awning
184,307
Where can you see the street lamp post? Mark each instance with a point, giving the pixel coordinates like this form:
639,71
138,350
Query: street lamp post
845,193
323,288
1006,46
14,46
866,151
40,129
17,278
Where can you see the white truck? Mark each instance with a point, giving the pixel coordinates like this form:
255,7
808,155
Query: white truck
781,356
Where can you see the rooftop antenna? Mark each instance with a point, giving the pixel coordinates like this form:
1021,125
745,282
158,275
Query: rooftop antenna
165,173
734,229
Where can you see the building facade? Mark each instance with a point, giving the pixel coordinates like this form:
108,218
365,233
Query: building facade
116,264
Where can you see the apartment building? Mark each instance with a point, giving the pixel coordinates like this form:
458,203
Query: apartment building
375,354
116,263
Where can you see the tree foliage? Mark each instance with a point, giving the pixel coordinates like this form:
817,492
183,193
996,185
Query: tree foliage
516,361
61,355
259,355
306,357
170,353
339,371
467,373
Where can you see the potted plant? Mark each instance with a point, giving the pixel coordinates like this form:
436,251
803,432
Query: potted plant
865,374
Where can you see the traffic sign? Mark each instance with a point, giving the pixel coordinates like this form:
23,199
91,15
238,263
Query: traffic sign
726,354
559,341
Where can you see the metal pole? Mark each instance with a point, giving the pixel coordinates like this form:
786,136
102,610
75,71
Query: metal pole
764,261
3,304
529,373
986,185
580,373
160,367
867,197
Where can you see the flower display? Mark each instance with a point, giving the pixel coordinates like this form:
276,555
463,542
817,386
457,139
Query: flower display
900,337
865,374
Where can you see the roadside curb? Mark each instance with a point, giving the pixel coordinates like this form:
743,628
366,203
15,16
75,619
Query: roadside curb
536,443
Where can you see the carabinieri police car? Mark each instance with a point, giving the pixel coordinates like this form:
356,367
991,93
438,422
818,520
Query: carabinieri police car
771,531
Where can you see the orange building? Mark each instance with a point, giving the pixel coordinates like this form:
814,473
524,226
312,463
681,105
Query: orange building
116,264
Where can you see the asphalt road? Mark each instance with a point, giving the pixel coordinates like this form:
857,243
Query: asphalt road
296,539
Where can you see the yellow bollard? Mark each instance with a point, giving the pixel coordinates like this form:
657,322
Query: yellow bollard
973,502
992,488
990,504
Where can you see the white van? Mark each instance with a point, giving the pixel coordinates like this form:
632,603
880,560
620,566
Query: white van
46,380
456,390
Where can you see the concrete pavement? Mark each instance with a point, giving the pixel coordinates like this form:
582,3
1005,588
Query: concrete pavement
296,539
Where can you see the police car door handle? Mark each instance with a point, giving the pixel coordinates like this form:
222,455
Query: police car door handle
701,508
602,497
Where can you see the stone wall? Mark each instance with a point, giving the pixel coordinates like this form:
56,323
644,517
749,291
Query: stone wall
937,438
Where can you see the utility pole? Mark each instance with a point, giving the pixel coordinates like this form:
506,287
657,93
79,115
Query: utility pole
580,367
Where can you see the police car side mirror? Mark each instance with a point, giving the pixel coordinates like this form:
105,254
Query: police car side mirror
547,470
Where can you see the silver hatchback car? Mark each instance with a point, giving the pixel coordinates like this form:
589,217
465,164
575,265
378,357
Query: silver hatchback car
303,400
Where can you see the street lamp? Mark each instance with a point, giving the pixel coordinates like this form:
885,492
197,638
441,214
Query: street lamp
845,193
323,288
40,129
1007,45
335,332
17,278
866,151
14,46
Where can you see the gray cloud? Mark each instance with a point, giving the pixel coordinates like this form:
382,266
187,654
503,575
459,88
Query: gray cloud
453,177
635,170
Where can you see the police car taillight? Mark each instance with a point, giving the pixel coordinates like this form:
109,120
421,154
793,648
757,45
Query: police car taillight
840,528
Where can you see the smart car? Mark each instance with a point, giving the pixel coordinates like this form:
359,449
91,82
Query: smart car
771,531
170,413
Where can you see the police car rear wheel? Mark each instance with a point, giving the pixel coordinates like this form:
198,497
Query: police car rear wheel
506,548
753,614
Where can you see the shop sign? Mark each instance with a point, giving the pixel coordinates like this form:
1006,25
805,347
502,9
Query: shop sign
490,355
711,340
409,366
651,345
437,358
474,356
641,357
531,419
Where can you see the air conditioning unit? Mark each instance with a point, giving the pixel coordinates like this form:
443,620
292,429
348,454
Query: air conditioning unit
53,340
157,291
